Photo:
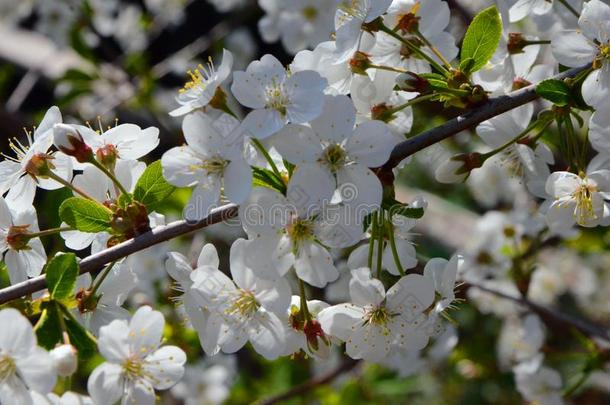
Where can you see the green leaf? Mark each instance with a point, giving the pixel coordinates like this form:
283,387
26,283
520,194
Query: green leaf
48,327
152,188
482,39
85,215
79,336
467,64
267,178
398,208
407,212
555,91
61,273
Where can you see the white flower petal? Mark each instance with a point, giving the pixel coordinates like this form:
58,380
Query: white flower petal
105,384
165,366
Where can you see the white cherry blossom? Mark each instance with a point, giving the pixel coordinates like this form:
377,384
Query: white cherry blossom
24,256
212,160
277,96
184,274
203,86
24,367
375,321
136,364
349,18
578,199
19,173
244,308
342,151
443,274
591,43
299,23
293,231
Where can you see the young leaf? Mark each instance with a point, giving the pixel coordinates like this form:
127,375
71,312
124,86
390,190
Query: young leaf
267,178
48,327
152,188
407,212
556,91
85,215
61,273
79,336
397,208
482,39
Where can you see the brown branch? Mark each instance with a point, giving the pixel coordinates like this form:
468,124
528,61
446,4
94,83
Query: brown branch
306,387
403,150
96,261
550,315
492,108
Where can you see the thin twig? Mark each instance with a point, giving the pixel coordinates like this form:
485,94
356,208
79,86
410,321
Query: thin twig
584,326
308,385
403,150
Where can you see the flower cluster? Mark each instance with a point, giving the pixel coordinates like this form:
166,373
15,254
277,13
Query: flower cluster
307,157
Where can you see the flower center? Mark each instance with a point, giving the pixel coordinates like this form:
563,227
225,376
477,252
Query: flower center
353,8
300,230
276,98
335,157
133,368
39,165
584,201
18,238
214,165
244,304
378,317
484,258
310,13
199,77
7,367
604,51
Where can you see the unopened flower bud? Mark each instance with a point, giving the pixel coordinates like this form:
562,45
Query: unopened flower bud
65,359
69,141
107,156
412,82
458,168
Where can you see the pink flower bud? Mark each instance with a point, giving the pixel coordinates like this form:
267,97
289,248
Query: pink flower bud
69,141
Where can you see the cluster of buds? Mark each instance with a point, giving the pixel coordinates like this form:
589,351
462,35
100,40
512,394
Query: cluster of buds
128,222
